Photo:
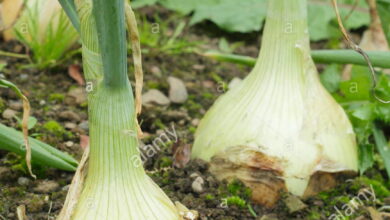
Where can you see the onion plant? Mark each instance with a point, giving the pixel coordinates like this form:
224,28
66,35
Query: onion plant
43,27
279,130
41,153
116,186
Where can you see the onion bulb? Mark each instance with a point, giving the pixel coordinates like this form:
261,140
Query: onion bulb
279,130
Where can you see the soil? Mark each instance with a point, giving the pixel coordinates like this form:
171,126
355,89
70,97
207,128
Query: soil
48,92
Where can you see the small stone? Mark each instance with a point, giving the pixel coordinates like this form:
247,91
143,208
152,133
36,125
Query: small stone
194,175
208,84
69,143
268,217
70,125
69,115
23,77
76,96
197,185
42,102
9,113
234,82
16,105
294,204
154,96
195,121
5,172
198,67
155,70
66,188
23,181
318,203
177,90
84,125
46,186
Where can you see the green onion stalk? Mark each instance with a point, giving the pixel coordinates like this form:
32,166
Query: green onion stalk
279,130
45,29
116,186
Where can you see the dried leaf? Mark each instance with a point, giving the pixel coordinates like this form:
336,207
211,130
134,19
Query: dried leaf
84,141
74,73
375,215
137,58
181,154
21,212
75,188
26,116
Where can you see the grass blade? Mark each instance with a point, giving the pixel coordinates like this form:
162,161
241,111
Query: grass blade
382,146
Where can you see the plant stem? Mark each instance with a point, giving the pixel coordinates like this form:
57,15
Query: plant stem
285,41
378,58
111,29
16,55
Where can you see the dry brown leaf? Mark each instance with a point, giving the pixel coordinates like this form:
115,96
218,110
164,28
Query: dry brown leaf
74,73
21,212
375,215
84,141
373,38
137,56
181,154
75,188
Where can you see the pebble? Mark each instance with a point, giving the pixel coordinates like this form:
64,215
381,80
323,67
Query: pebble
234,82
268,217
23,77
4,172
23,181
42,102
154,96
197,185
195,121
193,175
84,125
46,186
177,90
208,84
69,115
76,96
155,70
16,105
9,113
69,143
70,125
66,188
198,67
294,204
